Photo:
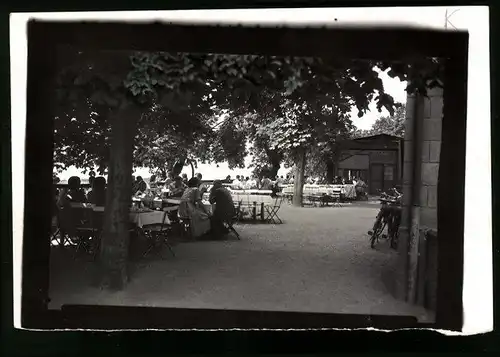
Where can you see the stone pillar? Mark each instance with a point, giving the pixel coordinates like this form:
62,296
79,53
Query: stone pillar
430,157
416,261
433,115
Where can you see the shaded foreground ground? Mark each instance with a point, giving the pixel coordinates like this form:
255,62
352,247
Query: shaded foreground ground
319,260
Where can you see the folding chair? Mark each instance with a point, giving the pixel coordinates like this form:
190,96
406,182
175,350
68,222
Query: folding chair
76,226
97,225
185,225
336,193
316,196
58,237
245,205
272,211
157,235
230,224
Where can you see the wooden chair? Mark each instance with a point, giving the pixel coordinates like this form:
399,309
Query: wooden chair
316,196
336,198
157,235
185,225
272,210
76,227
230,224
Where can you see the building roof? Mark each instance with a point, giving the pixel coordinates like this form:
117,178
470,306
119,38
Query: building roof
373,142
379,136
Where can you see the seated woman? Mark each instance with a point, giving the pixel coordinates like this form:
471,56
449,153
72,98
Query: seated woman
192,208
202,186
224,208
73,194
97,195
177,187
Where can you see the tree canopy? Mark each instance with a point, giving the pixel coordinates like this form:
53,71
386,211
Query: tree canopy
391,125
184,94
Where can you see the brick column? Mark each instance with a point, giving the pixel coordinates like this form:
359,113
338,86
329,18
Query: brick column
430,158
433,115
416,257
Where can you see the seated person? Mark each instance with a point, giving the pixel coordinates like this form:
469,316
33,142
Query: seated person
265,183
236,184
177,187
360,187
97,195
251,183
308,180
73,194
202,187
224,208
153,184
192,208
140,186
338,180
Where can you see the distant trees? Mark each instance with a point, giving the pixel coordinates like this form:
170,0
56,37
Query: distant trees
391,124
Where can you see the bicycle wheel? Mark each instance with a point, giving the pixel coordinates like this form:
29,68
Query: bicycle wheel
376,234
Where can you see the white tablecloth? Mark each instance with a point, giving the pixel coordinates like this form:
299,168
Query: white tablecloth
142,219
246,198
349,191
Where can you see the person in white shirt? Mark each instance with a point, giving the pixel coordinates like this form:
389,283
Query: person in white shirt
251,183
236,184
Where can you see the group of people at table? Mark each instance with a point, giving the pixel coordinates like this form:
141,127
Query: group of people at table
203,221
188,193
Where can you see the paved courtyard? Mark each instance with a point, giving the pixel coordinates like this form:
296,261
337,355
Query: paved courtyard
319,260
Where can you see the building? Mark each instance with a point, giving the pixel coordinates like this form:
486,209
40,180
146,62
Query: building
377,159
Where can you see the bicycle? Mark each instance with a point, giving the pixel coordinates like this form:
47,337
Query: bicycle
389,215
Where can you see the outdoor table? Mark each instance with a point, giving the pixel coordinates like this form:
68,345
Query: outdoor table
252,192
348,190
252,201
139,217
145,218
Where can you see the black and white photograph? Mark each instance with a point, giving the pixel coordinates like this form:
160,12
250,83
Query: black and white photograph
267,181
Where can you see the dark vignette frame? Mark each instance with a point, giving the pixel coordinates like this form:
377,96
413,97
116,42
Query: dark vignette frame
397,43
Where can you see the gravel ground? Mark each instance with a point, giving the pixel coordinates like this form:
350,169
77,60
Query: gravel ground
319,260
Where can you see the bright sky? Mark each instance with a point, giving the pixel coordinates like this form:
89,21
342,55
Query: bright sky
477,295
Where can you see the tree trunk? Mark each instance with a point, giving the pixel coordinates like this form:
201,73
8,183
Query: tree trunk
300,165
336,161
330,168
178,166
115,238
275,167
192,168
